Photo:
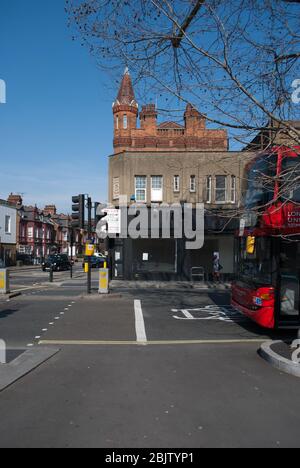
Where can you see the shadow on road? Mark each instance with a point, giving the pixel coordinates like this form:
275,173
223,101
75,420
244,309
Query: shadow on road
7,312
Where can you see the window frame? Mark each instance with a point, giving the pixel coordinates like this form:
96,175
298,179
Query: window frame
233,190
155,189
218,190
193,184
7,224
209,189
140,189
176,184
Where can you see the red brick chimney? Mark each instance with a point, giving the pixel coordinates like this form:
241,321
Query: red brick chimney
15,200
50,210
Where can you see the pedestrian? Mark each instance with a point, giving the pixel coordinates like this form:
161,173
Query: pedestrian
217,268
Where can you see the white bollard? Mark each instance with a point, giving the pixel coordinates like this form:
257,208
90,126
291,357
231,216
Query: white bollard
4,281
2,352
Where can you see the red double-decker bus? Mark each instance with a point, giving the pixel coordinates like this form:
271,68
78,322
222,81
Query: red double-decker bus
267,257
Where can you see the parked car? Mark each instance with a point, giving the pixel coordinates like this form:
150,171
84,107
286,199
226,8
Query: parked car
25,259
57,263
96,262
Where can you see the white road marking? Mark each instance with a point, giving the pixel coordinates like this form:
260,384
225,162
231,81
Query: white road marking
45,330
139,323
211,312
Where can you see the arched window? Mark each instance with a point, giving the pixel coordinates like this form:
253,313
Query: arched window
125,122
117,122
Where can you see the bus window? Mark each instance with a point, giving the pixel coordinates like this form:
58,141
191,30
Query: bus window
290,179
261,182
289,272
256,267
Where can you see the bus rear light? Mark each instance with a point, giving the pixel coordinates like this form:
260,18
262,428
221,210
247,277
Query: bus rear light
263,295
267,296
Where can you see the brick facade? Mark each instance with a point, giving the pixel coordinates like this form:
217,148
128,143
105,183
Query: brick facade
151,136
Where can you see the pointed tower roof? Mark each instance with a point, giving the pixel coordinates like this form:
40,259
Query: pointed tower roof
126,93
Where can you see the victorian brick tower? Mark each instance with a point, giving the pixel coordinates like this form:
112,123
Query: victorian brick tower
125,110
166,136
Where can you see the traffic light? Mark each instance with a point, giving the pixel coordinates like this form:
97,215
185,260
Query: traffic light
78,208
98,214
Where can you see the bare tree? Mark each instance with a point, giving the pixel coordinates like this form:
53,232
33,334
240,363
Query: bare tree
233,60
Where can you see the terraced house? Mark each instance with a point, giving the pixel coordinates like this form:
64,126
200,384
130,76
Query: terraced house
8,233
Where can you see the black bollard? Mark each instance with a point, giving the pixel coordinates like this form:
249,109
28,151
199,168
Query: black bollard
51,275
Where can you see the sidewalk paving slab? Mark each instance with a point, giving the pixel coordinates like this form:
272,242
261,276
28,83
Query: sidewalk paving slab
24,364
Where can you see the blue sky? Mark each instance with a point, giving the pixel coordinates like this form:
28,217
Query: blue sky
56,128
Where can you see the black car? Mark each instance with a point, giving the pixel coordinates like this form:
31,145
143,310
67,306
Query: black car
57,263
25,259
96,262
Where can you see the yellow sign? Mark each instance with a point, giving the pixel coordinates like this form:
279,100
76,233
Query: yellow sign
89,250
2,280
104,280
250,245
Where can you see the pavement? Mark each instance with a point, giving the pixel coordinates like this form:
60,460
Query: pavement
120,285
145,368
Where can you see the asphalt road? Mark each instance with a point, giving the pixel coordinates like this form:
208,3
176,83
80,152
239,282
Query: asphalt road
163,369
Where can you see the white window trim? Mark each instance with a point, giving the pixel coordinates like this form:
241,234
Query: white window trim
161,189
225,202
233,190
7,224
193,178
125,122
209,189
145,190
176,184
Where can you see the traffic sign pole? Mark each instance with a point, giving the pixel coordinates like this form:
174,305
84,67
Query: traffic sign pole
89,277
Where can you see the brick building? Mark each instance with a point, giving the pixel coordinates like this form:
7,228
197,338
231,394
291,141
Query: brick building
41,232
172,163
151,136
35,230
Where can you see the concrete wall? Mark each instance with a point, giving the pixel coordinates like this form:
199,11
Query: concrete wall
8,238
124,167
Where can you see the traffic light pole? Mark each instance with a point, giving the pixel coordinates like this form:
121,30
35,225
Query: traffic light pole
72,246
89,277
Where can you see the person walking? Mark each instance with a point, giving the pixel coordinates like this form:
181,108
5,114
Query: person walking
217,268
